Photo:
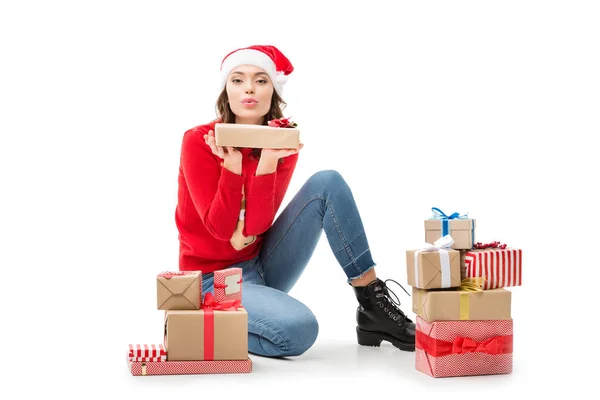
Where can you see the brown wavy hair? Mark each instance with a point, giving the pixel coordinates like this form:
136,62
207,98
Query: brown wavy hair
227,116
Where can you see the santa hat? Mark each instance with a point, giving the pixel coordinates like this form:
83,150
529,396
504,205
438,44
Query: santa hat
268,58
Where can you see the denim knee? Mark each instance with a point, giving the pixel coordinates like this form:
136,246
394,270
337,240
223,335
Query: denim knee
293,336
327,177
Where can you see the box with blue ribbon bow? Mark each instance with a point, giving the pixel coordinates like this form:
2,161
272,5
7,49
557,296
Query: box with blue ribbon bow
460,227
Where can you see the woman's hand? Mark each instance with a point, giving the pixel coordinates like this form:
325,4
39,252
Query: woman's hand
232,159
276,154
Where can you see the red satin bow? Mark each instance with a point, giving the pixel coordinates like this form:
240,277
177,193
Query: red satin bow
229,305
462,345
467,345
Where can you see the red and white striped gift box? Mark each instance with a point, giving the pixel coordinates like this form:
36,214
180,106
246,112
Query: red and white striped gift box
464,348
147,353
499,267
191,367
228,285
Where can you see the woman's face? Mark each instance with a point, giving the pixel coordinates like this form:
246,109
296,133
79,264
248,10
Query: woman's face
249,91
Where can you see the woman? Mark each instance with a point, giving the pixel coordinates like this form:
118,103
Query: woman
227,201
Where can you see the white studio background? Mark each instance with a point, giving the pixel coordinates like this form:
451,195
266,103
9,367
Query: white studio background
489,108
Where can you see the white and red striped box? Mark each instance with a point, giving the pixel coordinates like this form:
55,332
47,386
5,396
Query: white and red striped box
147,353
464,348
190,367
228,285
499,267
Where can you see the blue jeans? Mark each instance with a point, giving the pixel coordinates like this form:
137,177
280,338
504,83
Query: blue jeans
279,325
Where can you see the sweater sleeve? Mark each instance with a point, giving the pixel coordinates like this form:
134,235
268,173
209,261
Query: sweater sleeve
265,195
215,191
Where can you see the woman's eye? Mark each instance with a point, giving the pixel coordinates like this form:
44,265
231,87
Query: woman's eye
262,81
235,80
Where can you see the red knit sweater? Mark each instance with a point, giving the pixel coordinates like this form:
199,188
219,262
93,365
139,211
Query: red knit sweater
209,201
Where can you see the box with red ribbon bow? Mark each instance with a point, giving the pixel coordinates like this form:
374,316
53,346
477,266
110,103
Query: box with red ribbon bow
218,331
464,348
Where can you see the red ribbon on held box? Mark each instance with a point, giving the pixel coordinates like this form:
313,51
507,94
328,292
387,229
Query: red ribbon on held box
209,305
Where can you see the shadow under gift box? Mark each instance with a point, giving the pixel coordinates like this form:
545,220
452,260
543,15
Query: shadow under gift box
464,348
458,305
202,335
433,269
179,290
461,230
256,136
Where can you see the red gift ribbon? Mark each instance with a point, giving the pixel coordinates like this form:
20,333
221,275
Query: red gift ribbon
461,345
209,305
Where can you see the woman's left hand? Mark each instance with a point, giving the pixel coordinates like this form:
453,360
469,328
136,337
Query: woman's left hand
276,154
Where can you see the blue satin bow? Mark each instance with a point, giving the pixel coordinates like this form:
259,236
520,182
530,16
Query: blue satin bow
439,214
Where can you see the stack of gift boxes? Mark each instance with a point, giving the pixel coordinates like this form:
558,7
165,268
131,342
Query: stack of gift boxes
463,309
202,335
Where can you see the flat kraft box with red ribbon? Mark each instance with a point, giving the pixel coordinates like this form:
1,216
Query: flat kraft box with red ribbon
147,353
227,285
464,348
499,267
462,230
191,367
256,136
457,305
181,290
202,335
433,269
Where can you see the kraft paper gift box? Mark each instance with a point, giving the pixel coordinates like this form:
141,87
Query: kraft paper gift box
467,302
216,332
228,285
180,290
499,267
190,367
464,348
461,228
434,266
256,136
147,353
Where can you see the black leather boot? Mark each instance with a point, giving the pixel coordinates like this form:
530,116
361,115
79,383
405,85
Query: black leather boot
380,318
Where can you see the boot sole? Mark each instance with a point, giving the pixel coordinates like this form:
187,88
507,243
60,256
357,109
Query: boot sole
374,339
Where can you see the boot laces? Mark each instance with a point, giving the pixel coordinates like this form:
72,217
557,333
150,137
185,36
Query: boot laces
384,294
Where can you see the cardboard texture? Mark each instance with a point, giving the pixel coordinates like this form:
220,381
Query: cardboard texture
499,267
228,285
189,337
458,305
191,367
179,290
429,269
256,136
464,348
461,230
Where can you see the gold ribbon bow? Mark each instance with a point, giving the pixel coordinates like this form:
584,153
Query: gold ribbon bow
467,286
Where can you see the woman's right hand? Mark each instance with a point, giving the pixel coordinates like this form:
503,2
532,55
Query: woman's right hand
232,158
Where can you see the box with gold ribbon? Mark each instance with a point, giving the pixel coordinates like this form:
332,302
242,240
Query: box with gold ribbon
218,331
434,266
467,302
464,348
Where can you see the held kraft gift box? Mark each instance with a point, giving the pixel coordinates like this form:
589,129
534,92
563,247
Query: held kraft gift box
191,367
434,266
256,136
216,332
179,290
467,302
499,267
461,228
228,285
147,353
464,348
